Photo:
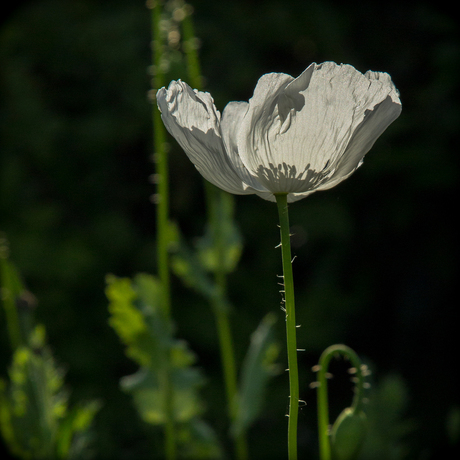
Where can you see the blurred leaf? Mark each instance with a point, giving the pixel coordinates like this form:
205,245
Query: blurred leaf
187,266
220,248
198,441
34,416
148,393
166,362
74,436
127,321
36,402
139,320
258,367
386,425
173,234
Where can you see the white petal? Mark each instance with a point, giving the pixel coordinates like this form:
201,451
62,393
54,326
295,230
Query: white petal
193,120
230,125
372,126
252,139
293,139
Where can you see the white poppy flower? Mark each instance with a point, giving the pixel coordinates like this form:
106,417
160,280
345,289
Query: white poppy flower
294,136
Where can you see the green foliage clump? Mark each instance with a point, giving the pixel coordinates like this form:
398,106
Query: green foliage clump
166,370
35,418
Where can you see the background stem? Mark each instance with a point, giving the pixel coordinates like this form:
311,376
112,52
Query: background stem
323,409
161,162
215,198
289,304
162,211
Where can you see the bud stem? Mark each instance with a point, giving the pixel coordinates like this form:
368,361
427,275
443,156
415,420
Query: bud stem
323,406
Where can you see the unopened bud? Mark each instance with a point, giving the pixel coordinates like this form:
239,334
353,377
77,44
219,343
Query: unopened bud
348,434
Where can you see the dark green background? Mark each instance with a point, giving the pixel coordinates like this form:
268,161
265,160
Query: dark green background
376,256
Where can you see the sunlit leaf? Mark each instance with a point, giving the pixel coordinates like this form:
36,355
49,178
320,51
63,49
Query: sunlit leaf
74,432
127,320
166,362
149,394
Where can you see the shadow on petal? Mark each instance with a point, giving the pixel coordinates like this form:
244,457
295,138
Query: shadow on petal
284,178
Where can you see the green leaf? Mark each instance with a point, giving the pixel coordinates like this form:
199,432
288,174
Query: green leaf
127,321
387,425
138,317
258,367
187,266
74,432
34,418
198,440
37,400
219,250
149,394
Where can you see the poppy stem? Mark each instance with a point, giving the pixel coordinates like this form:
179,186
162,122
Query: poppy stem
289,305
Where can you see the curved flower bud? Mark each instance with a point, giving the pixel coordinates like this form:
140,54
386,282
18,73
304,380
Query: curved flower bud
348,433
294,136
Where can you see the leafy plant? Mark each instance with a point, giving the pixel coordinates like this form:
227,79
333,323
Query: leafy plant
36,420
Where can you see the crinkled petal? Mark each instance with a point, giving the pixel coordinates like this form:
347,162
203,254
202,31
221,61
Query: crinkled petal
295,136
315,128
253,143
193,120
375,121
230,124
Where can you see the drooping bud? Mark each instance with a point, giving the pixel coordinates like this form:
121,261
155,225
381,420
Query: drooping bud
348,434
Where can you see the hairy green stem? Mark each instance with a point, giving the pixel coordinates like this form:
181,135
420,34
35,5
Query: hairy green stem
190,48
323,405
289,305
162,209
161,162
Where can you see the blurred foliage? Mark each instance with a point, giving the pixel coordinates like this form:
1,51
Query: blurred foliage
376,257
36,420
387,425
259,365
218,250
140,320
